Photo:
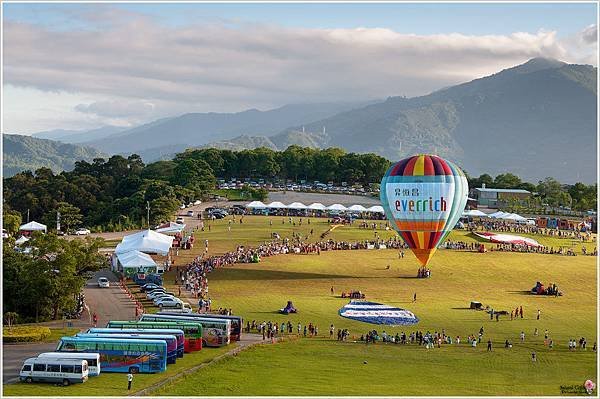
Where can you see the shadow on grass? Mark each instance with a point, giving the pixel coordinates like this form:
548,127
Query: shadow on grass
462,308
520,292
257,274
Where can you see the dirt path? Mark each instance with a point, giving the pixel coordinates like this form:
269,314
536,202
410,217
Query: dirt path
247,341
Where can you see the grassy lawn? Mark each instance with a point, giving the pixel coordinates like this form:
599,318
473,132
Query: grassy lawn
323,367
114,384
314,367
58,333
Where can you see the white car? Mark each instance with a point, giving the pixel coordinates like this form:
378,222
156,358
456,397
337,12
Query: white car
4,233
103,282
171,303
82,232
161,298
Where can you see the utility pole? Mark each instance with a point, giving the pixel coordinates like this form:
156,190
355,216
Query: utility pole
148,213
27,215
57,221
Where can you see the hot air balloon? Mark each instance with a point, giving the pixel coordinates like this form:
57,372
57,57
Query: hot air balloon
423,197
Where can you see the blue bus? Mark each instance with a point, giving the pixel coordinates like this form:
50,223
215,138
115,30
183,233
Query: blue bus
178,333
121,355
171,341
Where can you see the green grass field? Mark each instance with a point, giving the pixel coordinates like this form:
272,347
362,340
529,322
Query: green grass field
319,366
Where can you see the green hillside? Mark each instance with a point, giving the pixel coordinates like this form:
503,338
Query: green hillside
30,153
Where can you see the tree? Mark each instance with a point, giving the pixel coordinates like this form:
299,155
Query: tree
551,191
507,180
11,220
70,216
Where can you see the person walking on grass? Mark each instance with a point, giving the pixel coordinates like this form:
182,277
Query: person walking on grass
489,346
331,330
538,314
522,336
129,381
521,311
415,297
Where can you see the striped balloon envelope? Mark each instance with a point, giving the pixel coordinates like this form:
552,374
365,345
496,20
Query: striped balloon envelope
423,197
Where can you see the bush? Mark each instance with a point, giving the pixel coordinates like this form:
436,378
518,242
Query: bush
25,334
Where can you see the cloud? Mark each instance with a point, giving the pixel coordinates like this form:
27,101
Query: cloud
157,70
117,109
590,34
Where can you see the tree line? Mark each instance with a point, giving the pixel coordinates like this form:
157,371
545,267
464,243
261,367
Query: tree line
113,194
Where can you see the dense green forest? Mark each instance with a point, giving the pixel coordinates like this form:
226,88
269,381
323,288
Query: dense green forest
40,285
113,194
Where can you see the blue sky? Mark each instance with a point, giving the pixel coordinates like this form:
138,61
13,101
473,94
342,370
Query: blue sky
81,66
428,18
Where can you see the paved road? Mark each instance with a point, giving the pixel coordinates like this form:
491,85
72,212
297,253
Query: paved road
108,303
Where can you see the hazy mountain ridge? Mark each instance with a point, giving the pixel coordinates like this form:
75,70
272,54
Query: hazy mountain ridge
198,129
30,153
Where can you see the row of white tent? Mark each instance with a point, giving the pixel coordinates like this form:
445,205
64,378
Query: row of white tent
317,206
495,215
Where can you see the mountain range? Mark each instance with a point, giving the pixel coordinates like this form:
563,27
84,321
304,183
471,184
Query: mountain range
537,119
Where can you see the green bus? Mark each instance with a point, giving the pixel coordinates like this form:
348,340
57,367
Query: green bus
193,331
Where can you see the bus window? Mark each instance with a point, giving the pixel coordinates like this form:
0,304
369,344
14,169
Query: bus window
77,369
39,367
27,367
67,369
53,368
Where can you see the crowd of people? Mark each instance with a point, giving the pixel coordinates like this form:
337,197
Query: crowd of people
511,227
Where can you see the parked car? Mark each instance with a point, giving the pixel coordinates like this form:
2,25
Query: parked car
150,286
167,299
157,293
4,233
171,303
179,219
159,298
82,232
190,213
103,282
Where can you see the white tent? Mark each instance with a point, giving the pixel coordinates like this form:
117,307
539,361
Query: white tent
357,208
515,217
376,208
197,202
170,228
135,259
296,205
474,212
498,215
317,206
336,207
33,226
276,205
256,204
145,241
21,240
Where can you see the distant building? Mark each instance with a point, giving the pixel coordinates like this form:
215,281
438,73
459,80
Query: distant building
495,197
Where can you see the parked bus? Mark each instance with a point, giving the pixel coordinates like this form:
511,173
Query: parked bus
215,332
121,355
237,323
93,359
63,371
192,331
178,333
171,341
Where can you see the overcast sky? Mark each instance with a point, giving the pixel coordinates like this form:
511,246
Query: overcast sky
79,66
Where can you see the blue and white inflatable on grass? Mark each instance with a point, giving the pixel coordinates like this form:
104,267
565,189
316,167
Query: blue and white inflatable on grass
377,313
